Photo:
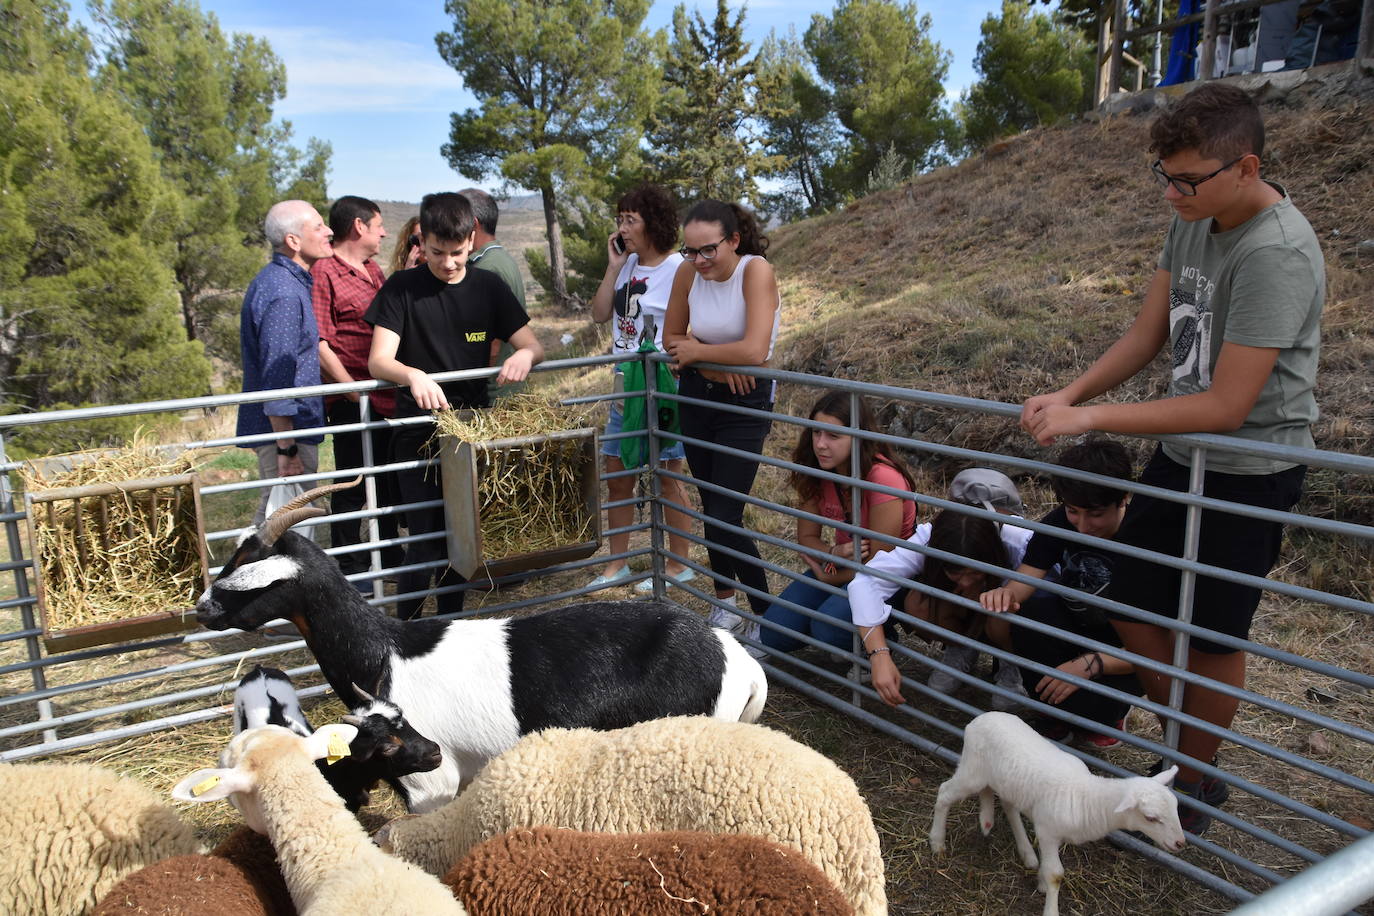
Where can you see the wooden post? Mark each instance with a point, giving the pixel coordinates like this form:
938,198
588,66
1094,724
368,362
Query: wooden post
1104,31
1118,45
1209,42
1365,48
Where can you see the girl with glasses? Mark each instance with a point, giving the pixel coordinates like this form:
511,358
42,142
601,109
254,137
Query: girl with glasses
724,309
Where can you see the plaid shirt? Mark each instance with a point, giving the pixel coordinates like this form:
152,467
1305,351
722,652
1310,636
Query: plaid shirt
341,296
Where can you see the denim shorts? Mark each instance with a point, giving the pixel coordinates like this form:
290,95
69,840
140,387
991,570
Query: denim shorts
667,451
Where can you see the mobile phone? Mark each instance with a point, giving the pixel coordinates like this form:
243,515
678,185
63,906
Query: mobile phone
416,241
618,243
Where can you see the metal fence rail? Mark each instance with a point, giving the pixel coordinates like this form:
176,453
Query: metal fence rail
55,703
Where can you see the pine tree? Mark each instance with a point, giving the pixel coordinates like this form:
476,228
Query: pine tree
799,127
700,136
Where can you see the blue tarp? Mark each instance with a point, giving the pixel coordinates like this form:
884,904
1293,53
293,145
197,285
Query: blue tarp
1182,60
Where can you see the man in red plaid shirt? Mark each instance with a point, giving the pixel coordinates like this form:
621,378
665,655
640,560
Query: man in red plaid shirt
343,289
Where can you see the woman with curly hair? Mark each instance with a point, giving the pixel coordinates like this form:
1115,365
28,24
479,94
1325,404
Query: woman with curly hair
633,296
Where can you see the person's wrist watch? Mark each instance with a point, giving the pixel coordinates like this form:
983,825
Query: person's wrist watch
289,452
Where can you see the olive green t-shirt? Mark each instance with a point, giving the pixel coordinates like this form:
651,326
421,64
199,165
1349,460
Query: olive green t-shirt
1260,284
498,260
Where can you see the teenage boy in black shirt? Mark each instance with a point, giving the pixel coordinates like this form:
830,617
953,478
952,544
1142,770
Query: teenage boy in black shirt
441,317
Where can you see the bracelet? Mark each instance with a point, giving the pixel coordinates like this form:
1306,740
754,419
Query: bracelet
1093,667
869,653
289,452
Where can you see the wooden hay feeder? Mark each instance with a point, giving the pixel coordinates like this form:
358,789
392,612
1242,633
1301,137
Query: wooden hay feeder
521,503
104,553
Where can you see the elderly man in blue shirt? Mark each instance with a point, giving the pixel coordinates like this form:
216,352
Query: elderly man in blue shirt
280,344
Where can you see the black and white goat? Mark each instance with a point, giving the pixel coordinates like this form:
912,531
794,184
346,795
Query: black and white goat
385,748
476,686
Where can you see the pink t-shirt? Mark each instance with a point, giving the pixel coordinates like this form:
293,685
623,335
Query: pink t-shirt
881,473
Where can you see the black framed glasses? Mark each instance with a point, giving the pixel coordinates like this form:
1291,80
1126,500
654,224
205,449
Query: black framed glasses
1186,186
707,252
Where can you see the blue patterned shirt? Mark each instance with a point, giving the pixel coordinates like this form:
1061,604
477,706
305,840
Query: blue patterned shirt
281,348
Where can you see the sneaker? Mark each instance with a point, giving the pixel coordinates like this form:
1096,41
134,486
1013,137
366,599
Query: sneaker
1104,742
1008,677
726,620
960,658
748,630
1212,791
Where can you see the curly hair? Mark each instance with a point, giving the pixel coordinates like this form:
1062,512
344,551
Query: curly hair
732,218
1219,121
402,249
655,206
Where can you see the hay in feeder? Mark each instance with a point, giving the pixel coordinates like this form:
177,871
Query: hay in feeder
114,555
530,495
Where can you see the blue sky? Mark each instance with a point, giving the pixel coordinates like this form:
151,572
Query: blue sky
366,76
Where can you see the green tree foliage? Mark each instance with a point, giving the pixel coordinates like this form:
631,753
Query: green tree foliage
564,87
799,128
1034,70
884,73
205,100
88,312
700,136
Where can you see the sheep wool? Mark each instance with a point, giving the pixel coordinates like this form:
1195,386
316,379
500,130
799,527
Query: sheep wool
546,871
239,878
683,773
71,831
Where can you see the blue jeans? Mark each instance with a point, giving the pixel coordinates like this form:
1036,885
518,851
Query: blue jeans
807,594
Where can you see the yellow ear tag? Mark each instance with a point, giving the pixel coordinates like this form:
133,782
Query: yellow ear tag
205,785
338,750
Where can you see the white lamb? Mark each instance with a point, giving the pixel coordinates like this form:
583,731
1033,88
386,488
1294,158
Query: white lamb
328,860
1066,803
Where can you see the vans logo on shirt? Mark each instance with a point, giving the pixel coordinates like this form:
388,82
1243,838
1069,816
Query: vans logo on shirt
476,336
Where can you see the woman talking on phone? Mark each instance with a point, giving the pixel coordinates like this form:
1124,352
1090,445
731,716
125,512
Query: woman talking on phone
724,309
633,296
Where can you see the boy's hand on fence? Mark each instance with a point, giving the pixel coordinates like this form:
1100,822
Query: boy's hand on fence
887,680
516,368
999,600
427,393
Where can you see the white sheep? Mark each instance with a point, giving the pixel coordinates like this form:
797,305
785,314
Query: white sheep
71,831
1003,756
326,857
681,773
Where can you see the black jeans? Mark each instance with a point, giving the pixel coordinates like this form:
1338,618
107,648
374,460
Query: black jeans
348,453
734,473
422,485
1051,650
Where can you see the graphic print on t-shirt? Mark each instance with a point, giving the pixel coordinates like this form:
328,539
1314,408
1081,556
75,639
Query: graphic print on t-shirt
627,312
1190,330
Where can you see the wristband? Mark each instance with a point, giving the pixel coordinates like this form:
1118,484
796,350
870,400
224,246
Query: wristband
289,452
869,653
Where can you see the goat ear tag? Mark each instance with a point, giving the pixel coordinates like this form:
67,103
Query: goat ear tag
205,785
209,785
330,742
338,750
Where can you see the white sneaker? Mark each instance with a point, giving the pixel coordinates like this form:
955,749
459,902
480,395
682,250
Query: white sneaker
1008,677
960,658
726,620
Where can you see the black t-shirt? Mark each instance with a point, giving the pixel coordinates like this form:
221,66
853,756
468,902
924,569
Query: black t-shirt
445,327
1077,566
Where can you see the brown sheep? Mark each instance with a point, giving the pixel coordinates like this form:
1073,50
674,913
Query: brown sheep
239,878
547,871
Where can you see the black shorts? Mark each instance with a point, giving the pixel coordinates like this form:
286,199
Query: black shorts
1228,541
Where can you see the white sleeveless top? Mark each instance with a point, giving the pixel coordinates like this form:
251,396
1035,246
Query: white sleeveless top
717,311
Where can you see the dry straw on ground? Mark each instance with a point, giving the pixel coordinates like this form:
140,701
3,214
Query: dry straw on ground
118,555
529,493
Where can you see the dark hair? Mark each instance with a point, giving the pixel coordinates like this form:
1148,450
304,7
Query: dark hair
447,216
345,210
975,538
1219,121
732,218
836,404
484,208
655,206
1096,456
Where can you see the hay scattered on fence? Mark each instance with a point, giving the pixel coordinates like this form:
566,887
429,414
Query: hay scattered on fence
118,555
530,496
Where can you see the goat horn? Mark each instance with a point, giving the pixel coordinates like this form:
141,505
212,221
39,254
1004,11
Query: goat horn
310,496
277,525
367,697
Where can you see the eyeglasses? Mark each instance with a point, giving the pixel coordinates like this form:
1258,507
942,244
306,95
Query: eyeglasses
1186,186
707,252
626,219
